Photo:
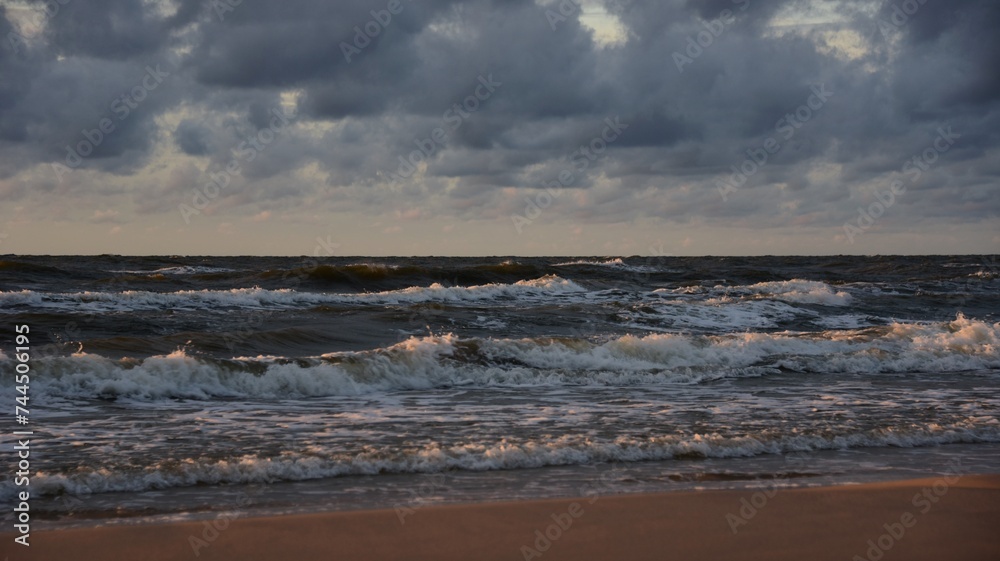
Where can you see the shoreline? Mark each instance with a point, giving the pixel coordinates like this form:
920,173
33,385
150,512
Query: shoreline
932,518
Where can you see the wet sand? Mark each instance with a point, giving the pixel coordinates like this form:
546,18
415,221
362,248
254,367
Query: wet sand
933,519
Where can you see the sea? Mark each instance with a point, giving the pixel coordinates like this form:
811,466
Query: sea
185,388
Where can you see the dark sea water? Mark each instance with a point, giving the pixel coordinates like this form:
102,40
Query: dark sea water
172,387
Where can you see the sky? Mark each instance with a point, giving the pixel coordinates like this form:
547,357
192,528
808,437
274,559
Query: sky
499,127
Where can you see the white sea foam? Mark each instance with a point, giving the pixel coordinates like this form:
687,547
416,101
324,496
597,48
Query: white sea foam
617,263
372,266
179,270
443,361
490,455
260,298
801,291
739,314
796,291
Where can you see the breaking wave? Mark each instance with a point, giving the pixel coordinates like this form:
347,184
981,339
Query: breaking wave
446,361
133,300
617,263
319,462
795,291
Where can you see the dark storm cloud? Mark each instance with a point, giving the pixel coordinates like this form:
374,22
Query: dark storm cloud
112,29
83,67
192,138
961,47
17,71
686,126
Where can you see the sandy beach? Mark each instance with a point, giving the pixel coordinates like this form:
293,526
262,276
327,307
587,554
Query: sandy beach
936,518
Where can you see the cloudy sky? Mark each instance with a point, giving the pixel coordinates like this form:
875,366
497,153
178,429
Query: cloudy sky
499,127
